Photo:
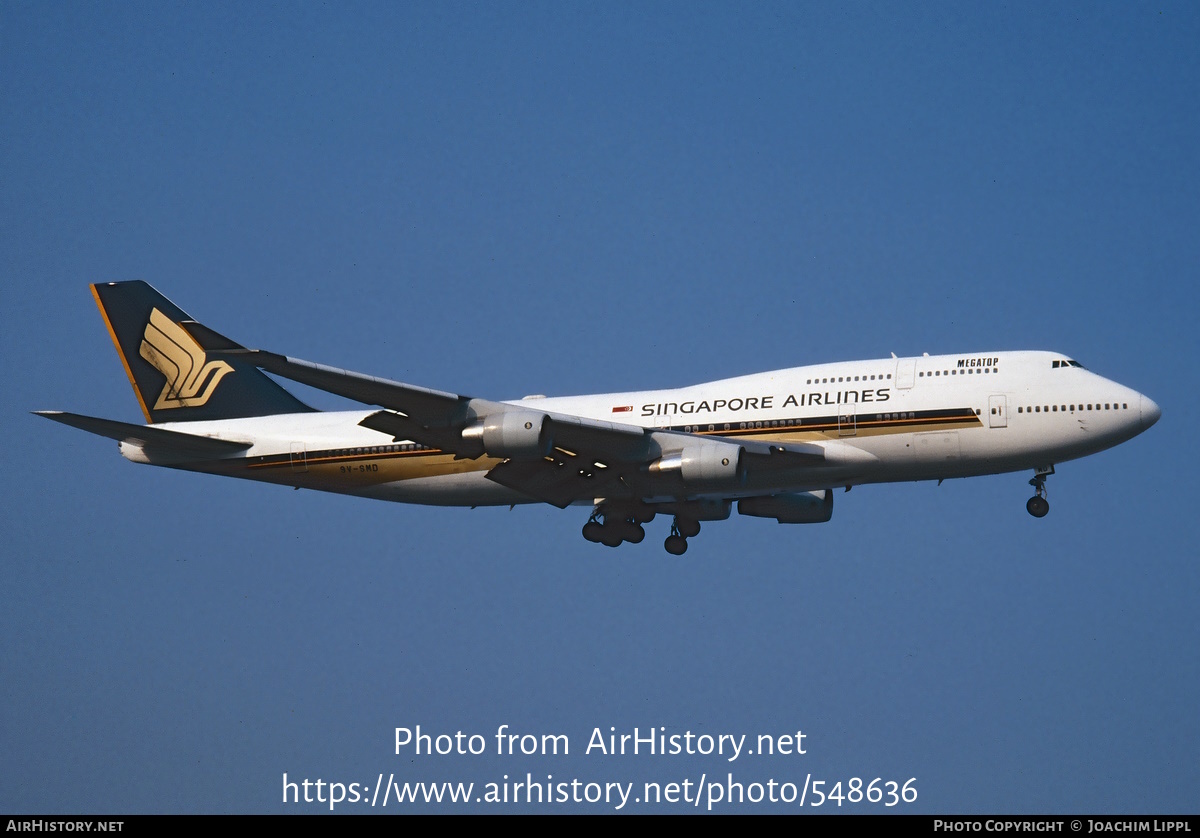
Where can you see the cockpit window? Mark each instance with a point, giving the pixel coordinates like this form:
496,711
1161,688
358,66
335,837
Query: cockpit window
1060,364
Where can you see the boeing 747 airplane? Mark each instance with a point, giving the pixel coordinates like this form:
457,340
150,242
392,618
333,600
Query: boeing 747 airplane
775,444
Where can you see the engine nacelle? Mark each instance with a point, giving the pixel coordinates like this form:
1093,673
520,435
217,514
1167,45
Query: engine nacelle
797,508
514,434
715,462
708,463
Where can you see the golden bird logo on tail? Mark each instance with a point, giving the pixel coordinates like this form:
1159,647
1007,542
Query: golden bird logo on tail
175,353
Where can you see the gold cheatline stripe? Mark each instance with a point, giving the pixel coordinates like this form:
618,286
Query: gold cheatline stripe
121,354
336,457
894,424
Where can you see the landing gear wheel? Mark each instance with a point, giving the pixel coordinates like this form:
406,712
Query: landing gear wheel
676,545
604,529
687,527
1037,505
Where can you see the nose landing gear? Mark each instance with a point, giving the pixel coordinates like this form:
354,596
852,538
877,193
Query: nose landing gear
1037,505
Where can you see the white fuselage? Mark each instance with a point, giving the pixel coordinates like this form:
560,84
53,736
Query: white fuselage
930,417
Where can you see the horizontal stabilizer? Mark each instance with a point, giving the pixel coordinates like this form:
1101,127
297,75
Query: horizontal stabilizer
145,435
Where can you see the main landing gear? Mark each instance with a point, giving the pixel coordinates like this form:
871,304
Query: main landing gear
611,527
681,530
1037,505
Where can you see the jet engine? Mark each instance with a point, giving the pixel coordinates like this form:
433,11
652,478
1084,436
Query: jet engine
708,463
513,434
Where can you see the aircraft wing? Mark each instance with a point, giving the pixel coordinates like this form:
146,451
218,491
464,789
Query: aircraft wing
606,466
556,458
429,408
559,459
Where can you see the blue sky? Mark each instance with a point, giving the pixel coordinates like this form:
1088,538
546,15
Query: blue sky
572,198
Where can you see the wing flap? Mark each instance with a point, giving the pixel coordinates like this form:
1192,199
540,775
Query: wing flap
559,481
606,441
401,427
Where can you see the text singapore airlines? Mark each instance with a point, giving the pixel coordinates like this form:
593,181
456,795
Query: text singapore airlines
776,444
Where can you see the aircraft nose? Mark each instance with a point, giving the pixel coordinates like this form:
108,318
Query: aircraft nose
1150,412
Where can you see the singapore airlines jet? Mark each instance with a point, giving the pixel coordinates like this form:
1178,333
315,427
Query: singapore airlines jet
776,444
